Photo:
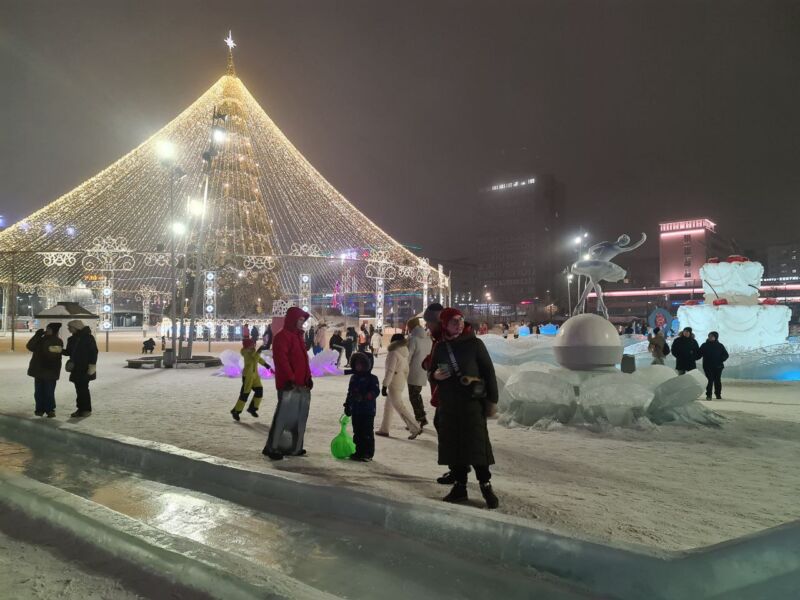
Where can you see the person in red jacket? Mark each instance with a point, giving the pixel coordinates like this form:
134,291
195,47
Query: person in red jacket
293,381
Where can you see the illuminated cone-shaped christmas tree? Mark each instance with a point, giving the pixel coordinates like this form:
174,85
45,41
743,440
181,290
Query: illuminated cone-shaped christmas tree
256,212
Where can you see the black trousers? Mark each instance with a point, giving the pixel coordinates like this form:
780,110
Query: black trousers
415,396
364,435
714,377
84,399
461,472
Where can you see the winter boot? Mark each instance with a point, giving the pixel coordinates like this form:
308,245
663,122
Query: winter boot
51,414
457,494
446,479
272,455
488,495
79,414
252,410
235,414
38,413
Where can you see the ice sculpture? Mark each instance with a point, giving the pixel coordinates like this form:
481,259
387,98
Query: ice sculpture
598,267
321,365
732,307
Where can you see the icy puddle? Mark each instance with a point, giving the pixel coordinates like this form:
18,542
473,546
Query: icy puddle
337,557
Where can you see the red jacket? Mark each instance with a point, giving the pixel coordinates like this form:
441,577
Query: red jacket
289,352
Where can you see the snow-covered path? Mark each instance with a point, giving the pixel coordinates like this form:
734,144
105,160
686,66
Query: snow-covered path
673,487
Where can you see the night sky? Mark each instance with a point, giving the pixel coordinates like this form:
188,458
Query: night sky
646,111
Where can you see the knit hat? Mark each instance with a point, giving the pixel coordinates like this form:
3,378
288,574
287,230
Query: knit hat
412,324
447,314
76,324
429,314
54,327
248,343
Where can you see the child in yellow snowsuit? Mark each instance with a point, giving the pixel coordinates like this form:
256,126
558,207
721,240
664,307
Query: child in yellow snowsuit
251,381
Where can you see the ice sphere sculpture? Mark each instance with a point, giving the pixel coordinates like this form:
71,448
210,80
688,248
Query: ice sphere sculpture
587,341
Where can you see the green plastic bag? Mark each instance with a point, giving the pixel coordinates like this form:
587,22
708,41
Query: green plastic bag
342,445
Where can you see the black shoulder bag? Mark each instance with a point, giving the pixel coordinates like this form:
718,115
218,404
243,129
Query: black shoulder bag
476,385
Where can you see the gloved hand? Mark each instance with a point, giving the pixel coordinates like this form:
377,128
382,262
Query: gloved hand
288,387
40,332
384,392
491,410
310,384
91,370
347,410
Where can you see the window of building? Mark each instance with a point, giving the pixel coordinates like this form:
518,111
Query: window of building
687,239
687,273
687,250
687,261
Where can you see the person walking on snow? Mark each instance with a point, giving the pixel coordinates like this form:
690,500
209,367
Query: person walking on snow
362,393
337,343
394,383
293,382
463,365
419,347
320,338
376,342
82,365
45,368
686,351
714,356
251,380
657,346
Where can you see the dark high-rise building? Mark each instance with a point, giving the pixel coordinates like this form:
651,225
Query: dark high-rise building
783,261
518,252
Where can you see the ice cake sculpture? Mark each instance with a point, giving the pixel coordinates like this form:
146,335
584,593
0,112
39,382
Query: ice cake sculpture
732,307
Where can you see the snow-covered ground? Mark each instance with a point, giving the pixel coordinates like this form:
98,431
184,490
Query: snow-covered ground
673,487
38,572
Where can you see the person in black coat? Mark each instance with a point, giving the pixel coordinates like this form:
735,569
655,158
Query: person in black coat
714,356
267,339
82,365
360,404
337,343
350,342
45,368
686,351
458,361
148,346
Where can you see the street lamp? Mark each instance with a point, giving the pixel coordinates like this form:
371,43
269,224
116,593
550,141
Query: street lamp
569,292
165,151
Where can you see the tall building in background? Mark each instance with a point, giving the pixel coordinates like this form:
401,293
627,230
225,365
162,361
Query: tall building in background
684,246
783,261
521,225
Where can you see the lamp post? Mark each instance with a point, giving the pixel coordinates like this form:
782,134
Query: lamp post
166,155
218,137
569,292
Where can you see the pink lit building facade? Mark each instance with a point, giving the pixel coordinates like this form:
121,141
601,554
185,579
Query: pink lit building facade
684,246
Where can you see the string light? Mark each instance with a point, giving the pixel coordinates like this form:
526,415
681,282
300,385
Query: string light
263,199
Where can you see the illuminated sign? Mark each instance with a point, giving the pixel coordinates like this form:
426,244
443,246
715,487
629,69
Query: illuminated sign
686,225
513,184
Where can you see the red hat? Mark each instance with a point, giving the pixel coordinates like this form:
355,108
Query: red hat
447,314
248,343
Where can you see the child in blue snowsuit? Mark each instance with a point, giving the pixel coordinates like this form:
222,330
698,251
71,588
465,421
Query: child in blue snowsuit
362,393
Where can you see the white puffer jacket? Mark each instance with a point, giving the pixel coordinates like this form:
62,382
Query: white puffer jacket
419,347
396,367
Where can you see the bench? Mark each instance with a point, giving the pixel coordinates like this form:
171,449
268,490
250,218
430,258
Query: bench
145,362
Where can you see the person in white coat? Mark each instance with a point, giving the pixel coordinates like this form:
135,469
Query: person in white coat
419,347
376,341
394,384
